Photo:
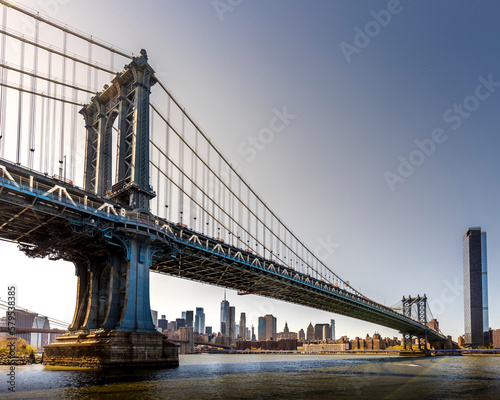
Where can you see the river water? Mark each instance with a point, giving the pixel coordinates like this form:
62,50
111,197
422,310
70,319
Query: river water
270,376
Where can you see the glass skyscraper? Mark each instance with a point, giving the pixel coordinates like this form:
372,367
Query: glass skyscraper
475,288
224,306
199,320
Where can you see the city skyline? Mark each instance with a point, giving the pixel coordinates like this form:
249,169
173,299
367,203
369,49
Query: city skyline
379,169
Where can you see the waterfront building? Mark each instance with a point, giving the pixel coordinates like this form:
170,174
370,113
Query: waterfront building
267,327
302,335
433,324
321,332
495,338
475,288
286,334
310,332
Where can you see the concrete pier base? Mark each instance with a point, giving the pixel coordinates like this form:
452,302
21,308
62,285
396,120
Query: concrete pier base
108,349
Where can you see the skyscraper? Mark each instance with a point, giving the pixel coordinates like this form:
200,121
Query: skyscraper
243,326
267,328
261,329
310,332
199,320
475,288
332,327
189,318
224,305
231,323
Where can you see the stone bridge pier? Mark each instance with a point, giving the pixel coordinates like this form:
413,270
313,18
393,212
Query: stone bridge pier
112,325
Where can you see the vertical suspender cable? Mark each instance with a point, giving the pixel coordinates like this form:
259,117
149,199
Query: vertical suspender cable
32,112
3,90
46,156
194,172
53,138
89,69
111,64
74,134
19,109
63,104
169,167
42,135
220,202
181,164
159,164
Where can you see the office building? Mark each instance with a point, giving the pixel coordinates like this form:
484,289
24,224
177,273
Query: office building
190,319
310,332
199,320
475,288
267,328
180,323
231,323
261,329
224,306
163,323
332,329
172,326
243,326
321,332
208,330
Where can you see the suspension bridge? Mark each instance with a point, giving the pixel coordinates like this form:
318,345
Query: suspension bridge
139,187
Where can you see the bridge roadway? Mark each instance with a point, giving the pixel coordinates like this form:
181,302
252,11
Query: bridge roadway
51,218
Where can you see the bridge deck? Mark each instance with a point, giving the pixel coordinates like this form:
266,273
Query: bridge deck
49,217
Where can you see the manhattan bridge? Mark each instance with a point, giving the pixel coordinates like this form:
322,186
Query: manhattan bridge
103,167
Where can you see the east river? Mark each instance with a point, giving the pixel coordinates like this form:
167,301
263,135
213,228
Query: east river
270,376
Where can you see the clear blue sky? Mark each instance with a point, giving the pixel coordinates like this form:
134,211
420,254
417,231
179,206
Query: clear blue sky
392,154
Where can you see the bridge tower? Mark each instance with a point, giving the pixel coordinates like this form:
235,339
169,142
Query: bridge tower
127,98
112,324
420,304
